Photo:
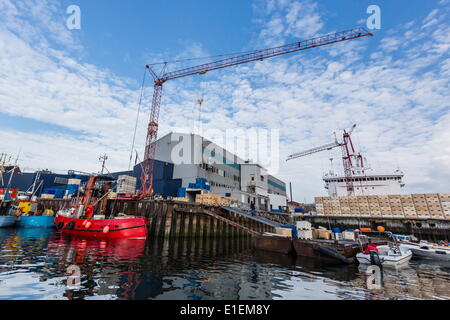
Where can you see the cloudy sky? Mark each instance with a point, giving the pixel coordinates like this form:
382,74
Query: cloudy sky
67,96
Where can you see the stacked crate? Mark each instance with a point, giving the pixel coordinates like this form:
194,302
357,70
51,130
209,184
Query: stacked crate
445,203
420,204
354,206
182,199
434,205
335,206
401,206
319,205
385,205
345,206
396,206
126,184
212,200
374,206
327,206
408,206
364,209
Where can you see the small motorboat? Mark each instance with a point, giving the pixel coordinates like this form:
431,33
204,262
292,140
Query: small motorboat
7,221
86,217
36,221
425,249
391,255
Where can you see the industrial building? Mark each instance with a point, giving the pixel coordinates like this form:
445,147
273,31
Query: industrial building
194,156
181,161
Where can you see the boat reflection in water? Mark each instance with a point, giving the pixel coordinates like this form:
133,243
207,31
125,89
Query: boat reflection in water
35,264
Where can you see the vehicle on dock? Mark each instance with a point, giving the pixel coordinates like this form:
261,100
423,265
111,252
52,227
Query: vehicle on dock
86,217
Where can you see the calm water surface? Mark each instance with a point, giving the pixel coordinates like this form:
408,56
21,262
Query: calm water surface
34,264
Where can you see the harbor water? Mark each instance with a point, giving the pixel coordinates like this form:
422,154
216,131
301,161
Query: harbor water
43,264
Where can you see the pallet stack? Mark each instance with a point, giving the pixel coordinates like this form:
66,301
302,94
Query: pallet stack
434,205
430,205
445,202
182,199
354,207
212,200
409,209
374,206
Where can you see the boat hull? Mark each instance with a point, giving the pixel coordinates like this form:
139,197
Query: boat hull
431,254
120,228
273,243
7,221
36,222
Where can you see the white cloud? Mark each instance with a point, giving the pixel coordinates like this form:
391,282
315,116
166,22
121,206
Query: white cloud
397,94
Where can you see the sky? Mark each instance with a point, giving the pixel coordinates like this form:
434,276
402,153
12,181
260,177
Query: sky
69,95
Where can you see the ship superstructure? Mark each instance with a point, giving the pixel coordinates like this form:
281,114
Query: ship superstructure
358,178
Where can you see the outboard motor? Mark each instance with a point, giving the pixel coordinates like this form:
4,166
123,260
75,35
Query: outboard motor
375,258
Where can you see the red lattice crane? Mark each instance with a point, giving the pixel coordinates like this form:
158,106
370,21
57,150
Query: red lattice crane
348,153
257,55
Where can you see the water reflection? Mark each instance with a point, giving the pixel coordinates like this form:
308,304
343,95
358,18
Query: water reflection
34,262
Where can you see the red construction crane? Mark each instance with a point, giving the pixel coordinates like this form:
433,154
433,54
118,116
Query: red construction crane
348,152
257,55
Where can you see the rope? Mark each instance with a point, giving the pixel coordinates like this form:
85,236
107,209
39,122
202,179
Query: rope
200,58
137,118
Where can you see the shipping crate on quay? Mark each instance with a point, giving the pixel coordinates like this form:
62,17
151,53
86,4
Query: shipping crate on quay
431,205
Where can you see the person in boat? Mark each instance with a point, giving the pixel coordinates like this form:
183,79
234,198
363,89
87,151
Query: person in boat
90,211
370,247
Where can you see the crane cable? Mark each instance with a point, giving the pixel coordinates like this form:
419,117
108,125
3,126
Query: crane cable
200,58
137,118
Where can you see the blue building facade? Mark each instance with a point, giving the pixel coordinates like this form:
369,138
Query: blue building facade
163,182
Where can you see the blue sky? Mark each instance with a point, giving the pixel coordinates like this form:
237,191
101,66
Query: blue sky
67,96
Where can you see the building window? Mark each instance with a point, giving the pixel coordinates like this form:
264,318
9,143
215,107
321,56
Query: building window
262,178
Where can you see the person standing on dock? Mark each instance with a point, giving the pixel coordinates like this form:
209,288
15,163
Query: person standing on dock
252,207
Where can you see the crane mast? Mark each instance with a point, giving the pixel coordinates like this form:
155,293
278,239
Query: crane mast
348,152
257,55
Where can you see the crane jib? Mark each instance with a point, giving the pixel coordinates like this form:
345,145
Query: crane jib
257,55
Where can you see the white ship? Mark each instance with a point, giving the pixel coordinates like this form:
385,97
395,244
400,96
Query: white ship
365,182
358,179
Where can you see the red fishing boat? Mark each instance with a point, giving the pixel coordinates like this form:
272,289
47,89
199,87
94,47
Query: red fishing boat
86,217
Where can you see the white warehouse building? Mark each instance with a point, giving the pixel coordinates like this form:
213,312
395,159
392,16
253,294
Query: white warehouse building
228,175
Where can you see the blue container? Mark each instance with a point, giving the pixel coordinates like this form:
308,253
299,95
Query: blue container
200,181
336,230
299,210
59,193
49,191
277,210
36,222
181,192
293,228
192,185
